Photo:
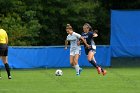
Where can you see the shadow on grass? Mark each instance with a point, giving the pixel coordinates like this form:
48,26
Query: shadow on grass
125,62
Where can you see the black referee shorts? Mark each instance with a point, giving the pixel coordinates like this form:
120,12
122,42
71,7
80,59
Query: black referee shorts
3,49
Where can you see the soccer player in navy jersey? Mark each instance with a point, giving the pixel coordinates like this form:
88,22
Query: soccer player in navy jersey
75,49
88,34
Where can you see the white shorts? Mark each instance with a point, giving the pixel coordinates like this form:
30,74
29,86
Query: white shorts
74,52
94,47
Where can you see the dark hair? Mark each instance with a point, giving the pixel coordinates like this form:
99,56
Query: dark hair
96,31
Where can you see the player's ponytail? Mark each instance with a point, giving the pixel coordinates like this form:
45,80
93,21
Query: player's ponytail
96,31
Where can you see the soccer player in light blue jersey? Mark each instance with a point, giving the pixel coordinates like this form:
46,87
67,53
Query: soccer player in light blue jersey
88,35
75,49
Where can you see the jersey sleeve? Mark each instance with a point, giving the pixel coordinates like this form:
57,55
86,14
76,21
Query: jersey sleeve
91,34
77,35
6,34
67,37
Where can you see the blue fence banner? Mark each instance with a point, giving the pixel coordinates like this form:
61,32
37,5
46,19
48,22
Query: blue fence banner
125,31
51,57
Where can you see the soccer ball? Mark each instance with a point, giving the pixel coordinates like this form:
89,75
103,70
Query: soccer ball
58,72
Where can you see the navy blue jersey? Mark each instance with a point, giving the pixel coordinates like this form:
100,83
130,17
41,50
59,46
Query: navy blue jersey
89,38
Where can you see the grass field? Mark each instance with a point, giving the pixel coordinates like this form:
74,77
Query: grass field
117,80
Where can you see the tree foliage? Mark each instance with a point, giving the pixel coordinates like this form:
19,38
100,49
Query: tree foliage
42,22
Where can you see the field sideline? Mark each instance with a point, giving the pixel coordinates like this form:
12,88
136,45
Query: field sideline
117,80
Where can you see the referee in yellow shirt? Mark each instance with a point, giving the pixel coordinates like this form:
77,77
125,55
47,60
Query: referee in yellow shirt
4,50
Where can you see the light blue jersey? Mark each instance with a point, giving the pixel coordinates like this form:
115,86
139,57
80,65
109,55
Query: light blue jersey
74,38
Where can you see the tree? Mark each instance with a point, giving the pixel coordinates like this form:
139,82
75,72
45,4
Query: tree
58,13
21,26
42,22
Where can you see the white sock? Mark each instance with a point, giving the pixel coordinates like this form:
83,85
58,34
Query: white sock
77,68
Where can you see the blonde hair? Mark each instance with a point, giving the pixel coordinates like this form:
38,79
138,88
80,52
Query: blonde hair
68,26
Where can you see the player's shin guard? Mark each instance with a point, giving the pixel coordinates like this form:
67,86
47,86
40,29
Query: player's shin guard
7,69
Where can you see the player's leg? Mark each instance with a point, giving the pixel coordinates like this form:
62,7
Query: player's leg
5,62
102,70
72,60
0,70
77,68
74,64
1,53
90,58
93,62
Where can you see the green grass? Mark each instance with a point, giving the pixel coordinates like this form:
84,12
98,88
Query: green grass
117,80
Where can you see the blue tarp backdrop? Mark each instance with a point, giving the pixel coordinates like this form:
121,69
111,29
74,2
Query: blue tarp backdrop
125,33
48,57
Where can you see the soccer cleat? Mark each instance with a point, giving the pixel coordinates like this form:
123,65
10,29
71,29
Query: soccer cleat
80,70
77,74
99,70
9,77
104,72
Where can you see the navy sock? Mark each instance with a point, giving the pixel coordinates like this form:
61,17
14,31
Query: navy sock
7,69
102,69
93,63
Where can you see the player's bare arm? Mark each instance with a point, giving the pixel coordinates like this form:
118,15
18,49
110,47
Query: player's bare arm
88,46
66,44
95,34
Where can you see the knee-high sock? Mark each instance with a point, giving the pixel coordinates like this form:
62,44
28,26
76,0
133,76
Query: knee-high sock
77,68
7,69
93,63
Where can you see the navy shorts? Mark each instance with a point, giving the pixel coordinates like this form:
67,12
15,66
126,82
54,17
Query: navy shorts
91,49
3,49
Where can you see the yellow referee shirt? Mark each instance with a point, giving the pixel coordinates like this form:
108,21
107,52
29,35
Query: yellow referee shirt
3,37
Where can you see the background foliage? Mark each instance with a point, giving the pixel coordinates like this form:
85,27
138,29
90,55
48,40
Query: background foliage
42,22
